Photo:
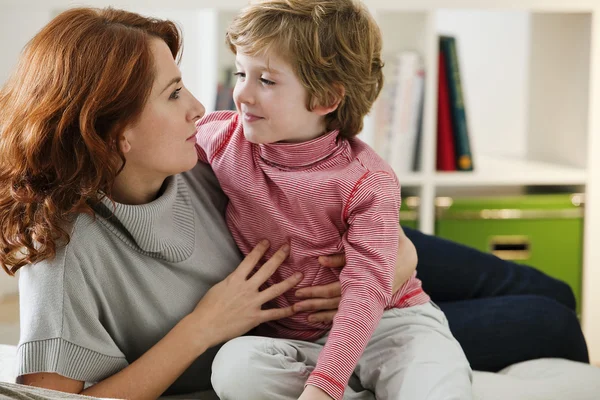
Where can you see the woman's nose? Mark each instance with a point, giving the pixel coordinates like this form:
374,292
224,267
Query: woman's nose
197,110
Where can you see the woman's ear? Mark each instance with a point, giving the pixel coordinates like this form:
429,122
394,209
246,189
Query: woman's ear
124,144
326,109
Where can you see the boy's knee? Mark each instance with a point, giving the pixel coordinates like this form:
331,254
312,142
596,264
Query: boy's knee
236,372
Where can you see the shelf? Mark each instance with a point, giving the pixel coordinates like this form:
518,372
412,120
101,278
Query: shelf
412,179
497,171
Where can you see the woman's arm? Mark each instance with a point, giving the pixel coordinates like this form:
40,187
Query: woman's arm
229,309
147,377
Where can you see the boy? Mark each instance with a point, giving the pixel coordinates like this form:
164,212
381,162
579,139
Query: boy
308,72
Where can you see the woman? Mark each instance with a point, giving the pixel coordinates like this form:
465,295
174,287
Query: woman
127,277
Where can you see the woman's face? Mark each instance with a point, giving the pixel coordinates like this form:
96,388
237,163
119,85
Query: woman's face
162,142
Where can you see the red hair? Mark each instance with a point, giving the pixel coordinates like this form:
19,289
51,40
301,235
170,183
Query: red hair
79,83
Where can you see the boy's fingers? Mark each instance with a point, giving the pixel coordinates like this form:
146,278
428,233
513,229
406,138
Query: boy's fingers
317,304
333,261
325,291
323,316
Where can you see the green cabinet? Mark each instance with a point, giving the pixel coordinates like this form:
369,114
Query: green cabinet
544,231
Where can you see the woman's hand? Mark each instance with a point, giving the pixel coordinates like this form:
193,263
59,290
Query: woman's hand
324,300
234,306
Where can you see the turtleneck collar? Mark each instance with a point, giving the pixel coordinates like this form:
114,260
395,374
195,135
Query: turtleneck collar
298,155
163,228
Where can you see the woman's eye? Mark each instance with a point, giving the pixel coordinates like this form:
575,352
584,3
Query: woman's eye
175,94
240,74
266,82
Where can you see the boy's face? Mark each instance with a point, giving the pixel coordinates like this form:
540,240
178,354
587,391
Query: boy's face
271,101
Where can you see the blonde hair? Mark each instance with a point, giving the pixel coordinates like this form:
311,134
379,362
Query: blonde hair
329,43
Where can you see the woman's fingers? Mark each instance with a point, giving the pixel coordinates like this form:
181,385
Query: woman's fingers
325,291
279,288
269,268
250,261
323,316
333,261
273,314
317,304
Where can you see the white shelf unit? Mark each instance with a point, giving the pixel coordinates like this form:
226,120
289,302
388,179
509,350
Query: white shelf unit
530,72
504,171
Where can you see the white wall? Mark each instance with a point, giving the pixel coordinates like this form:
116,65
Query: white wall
17,26
8,285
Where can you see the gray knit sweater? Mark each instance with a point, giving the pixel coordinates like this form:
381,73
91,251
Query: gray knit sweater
124,281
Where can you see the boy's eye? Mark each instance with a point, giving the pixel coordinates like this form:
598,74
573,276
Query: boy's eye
266,81
242,75
175,94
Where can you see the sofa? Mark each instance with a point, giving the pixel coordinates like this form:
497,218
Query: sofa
543,379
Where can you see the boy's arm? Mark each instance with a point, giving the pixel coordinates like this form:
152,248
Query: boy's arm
370,246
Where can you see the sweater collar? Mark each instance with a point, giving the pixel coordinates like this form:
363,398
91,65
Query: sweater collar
297,155
163,228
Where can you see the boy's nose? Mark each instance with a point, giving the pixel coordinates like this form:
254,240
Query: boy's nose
245,94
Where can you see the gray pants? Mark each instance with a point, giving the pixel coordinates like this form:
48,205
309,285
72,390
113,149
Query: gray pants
411,356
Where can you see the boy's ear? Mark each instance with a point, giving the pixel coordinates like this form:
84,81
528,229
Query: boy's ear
326,109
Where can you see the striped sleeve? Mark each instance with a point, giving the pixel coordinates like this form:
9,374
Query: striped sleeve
213,132
370,246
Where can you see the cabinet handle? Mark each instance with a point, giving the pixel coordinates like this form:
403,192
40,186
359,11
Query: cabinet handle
509,247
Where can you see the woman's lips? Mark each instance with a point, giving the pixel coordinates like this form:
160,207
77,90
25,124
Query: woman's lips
191,138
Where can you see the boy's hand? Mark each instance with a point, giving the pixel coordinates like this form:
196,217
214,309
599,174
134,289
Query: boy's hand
314,393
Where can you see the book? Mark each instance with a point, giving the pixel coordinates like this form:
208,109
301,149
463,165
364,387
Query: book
445,152
464,159
404,116
420,108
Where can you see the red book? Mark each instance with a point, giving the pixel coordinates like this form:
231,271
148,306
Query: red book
446,152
